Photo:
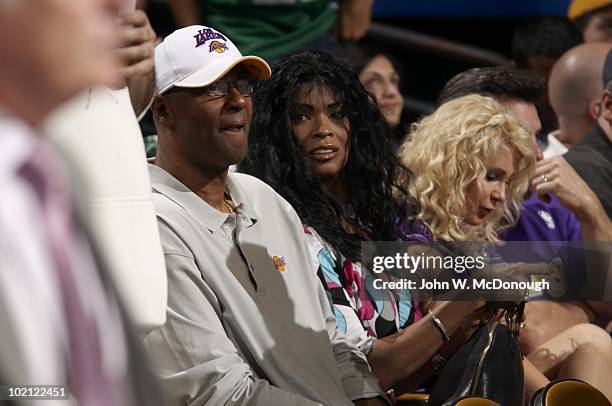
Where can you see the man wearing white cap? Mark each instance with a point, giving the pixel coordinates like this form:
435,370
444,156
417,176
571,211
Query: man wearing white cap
247,322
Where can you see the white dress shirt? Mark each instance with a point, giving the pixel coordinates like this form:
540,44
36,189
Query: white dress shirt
34,343
28,292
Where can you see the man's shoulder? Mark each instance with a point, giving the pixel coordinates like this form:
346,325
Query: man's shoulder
583,153
589,152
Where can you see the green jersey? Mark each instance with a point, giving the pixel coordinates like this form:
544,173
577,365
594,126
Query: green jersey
270,28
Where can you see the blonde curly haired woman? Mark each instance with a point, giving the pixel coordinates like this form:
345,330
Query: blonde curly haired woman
472,162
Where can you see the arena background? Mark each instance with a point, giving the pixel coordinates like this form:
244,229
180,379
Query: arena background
416,26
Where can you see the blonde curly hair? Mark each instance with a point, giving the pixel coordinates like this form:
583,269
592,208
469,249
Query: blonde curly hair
446,152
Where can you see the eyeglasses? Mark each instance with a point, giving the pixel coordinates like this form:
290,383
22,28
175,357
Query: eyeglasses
222,87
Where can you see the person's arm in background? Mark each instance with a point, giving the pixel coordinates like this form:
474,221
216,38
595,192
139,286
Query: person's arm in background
574,194
577,196
136,52
354,19
186,12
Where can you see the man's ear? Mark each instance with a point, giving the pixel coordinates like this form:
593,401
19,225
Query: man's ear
606,106
594,109
161,112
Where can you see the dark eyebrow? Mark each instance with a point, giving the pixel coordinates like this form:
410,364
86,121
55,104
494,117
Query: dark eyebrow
305,106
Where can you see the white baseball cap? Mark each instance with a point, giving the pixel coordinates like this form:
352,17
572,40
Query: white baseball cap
197,56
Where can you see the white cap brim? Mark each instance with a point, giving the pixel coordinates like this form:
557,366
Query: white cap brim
257,68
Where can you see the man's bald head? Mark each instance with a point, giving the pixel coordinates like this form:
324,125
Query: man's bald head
575,87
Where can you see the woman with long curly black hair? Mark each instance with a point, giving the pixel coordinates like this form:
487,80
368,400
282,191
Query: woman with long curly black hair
318,138
361,194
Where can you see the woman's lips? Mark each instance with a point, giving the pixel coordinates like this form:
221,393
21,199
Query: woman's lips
324,153
484,212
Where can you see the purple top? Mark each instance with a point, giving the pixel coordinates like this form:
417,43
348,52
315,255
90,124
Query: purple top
542,221
548,223
413,230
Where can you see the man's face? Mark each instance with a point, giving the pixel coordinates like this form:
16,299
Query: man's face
599,27
211,131
527,116
59,47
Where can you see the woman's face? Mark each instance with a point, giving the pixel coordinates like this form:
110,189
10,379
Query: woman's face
380,78
486,193
321,127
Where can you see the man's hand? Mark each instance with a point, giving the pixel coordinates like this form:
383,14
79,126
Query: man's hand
354,19
137,46
556,176
136,54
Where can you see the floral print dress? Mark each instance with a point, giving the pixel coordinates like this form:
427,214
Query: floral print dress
363,313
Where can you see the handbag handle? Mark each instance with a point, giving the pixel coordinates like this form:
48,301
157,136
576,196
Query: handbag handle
511,312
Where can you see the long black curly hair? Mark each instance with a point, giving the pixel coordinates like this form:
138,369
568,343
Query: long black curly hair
372,176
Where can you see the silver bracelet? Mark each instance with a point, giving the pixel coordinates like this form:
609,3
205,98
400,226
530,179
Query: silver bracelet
439,325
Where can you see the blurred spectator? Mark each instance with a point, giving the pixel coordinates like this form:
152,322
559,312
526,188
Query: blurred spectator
61,321
378,73
273,28
98,131
539,42
539,220
536,45
248,321
512,86
575,89
593,18
591,157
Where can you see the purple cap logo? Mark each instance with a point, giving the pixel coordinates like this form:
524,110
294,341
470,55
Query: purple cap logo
207,34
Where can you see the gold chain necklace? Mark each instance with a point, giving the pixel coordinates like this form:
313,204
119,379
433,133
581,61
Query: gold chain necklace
229,203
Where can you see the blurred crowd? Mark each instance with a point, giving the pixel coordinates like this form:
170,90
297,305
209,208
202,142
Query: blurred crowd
184,211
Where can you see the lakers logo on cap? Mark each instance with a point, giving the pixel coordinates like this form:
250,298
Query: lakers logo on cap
217,46
279,263
207,34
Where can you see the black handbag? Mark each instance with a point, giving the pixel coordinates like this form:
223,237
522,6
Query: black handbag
488,365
